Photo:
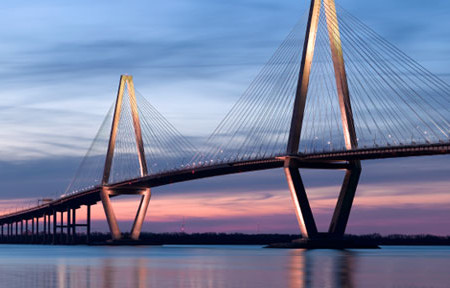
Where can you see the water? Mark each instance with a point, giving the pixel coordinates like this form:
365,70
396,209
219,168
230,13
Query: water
221,266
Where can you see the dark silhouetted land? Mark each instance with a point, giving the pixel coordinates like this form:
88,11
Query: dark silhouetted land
266,239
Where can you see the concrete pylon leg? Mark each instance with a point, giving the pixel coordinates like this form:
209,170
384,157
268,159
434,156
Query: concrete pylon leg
140,215
110,216
345,201
303,211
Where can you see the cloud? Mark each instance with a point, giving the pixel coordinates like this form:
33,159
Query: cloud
191,58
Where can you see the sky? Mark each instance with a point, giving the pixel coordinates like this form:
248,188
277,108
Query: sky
60,64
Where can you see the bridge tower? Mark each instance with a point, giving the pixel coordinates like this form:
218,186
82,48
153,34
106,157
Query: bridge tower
126,81
292,164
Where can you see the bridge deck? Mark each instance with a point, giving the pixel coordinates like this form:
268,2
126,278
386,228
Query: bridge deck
319,160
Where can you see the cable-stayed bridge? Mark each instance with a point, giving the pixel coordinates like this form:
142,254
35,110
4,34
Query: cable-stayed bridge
333,94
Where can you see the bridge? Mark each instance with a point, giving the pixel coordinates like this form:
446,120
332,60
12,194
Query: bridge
335,93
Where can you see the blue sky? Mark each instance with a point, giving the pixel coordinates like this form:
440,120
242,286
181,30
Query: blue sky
60,64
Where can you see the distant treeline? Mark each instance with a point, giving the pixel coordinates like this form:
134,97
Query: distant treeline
265,239
398,239
204,238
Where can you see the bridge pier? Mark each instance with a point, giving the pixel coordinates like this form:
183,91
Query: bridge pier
37,230
140,214
21,230
303,211
110,215
49,233
61,228
311,238
32,230
88,223
25,231
54,227
74,225
68,236
345,200
44,236
28,229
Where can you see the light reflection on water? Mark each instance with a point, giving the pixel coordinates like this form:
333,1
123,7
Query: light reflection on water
221,266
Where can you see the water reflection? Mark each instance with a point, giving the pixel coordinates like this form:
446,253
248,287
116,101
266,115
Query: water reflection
316,269
220,266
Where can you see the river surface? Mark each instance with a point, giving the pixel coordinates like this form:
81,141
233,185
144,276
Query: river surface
221,266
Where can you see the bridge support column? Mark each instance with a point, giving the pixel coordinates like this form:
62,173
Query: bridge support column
32,229
61,228
68,226
45,229
49,232
88,223
303,211
310,236
26,231
140,215
37,229
345,200
21,231
110,215
54,227
74,225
